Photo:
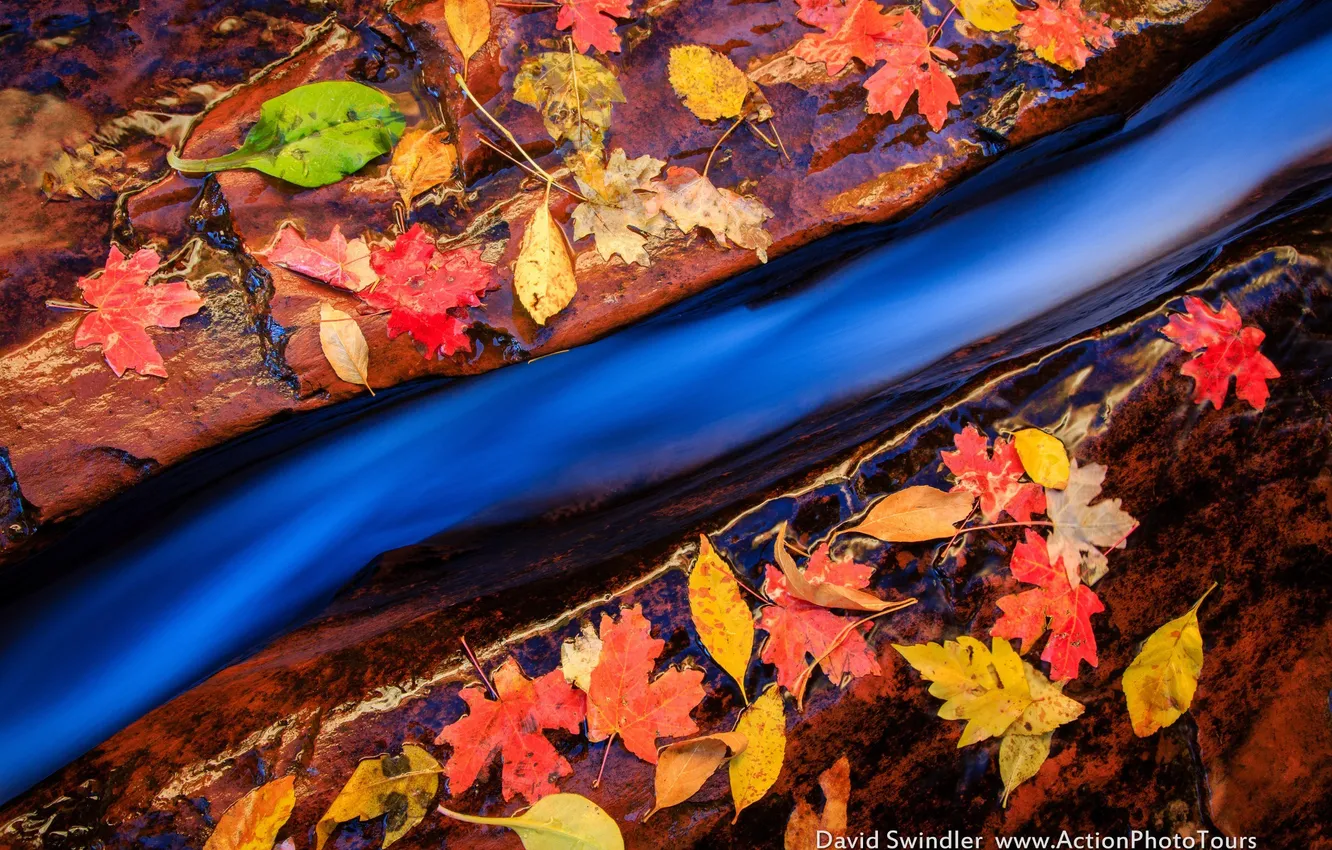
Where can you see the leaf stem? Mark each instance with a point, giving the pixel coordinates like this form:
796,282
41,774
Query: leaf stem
479,671
1126,537
497,149
803,681
504,130
713,152
604,756
203,166
58,304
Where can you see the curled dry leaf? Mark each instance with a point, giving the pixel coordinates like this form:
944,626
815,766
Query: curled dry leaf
721,617
683,767
710,84
401,786
469,25
335,261
253,821
421,161
755,770
916,514
574,94
543,275
803,827
1160,683
818,589
621,211
344,346
557,822
579,655
1081,527
1043,456
692,201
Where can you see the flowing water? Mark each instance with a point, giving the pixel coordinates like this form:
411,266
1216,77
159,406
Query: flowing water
1037,250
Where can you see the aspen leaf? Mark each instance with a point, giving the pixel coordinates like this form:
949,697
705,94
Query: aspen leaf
579,655
721,617
916,514
683,767
1020,758
1043,457
1160,683
469,25
344,346
820,591
253,821
557,822
401,787
543,275
803,827
755,770
989,15
1080,527
421,161
574,94
709,83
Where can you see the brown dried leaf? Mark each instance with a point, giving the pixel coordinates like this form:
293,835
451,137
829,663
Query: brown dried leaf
823,594
683,767
421,161
344,346
692,201
621,211
916,514
803,827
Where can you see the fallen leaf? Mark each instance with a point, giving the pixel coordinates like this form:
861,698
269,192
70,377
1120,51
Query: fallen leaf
624,700
1068,609
710,84
755,770
253,821
423,160
344,346
996,479
620,212
1049,708
987,688
803,828
592,22
916,514
825,582
1080,527
1228,348
1062,33
683,767
402,787
721,617
1160,683
469,26
989,15
1043,457
1020,758
692,201
335,261
852,30
574,94
127,306
558,822
579,655
543,275
90,171
513,724
911,66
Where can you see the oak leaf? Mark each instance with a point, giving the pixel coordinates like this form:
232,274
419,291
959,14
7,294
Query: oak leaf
469,25
911,66
335,261
683,767
402,787
574,94
754,771
916,514
621,208
994,478
989,15
624,700
721,618
1043,457
127,306
1080,527
344,346
852,30
710,84
1227,348
804,826
543,274
421,161
1063,34
691,200
557,822
1160,683
593,23
253,821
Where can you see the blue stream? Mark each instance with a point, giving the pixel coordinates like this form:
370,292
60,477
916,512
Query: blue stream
84,657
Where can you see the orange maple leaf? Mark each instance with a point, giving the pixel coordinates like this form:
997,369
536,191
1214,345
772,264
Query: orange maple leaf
1062,33
911,67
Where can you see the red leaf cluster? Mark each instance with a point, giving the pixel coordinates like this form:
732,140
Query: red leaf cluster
1228,348
1063,33
994,478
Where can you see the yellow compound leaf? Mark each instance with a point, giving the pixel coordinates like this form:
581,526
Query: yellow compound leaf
253,821
683,767
721,617
543,275
402,787
469,24
989,15
558,822
755,770
803,827
1020,758
985,687
709,84
1043,457
421,161
574,94
344,346
916,514
1160,683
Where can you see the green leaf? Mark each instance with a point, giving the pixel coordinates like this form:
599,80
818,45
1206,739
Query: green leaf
312,135
558,822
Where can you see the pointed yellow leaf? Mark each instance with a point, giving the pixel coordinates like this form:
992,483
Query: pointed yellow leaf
344,346
721,617
253,821
1043,457
755,770
985,687
543,276
709,84
1160,683
558,822
379,786
421,161
916,514
469,25
989,15
683,767
1020,758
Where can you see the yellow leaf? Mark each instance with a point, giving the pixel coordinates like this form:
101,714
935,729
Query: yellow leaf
1043,457
803,827
253,821
619,213
721,617
579,655
344,346
1020,758
755,770
1160,683
379,786
469,24
916,514
709,84
558,822
823,594
543,276
683,767
421,161
987,688
989,15
574,94
1049,708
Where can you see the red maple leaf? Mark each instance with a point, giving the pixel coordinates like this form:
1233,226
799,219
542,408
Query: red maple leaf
853,30
911,67
623,699
592,22
127,306
334,261
1068,608
428,291
513,724
994,479
799,632
1228,349
1063,33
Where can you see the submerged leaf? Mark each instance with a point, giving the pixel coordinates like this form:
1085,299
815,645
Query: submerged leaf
916,514
692,201
803,827
543,275
253,821
1160,683
995,479
593,23
401,787
721,617
344,346
574,94
710,84
1222,347
1062,33
334,261
579,655
683,767
825,582
558,822
1081,527
421,161
755,770
989,15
